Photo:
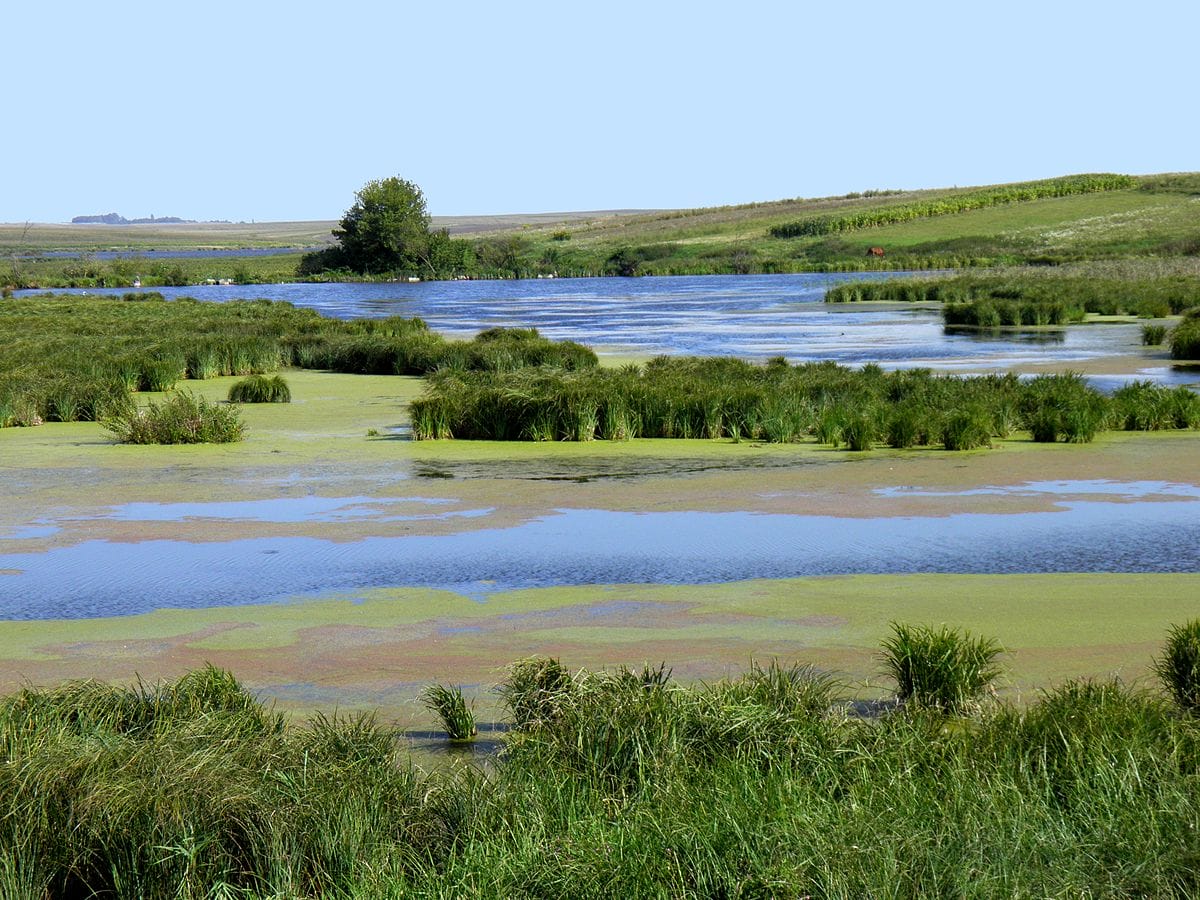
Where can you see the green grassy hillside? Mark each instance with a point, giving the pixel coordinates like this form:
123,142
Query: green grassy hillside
1118,217
1155,216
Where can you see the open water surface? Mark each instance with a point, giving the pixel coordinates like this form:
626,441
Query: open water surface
749,316
1138,527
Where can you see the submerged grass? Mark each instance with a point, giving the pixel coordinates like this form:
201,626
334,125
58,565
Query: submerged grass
623,783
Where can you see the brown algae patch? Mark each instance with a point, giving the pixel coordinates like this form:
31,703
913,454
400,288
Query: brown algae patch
381,643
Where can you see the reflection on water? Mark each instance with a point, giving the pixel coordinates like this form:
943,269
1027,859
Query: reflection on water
290,509
1038,336
572,547
1093,487
749,316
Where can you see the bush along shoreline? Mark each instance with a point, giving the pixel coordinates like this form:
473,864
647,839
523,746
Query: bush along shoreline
619,782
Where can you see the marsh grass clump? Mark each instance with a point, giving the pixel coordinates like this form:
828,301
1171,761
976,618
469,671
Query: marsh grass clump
1063,406
966,429
182,418
1179,667
260,389
535,691
1185,339
192,788
451,707
939,668
62,354
1153,335
760,784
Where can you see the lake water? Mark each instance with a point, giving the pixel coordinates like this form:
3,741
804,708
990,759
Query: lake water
749,316
1145,527
1139,527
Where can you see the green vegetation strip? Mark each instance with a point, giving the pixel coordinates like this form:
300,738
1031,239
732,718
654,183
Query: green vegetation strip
1102,293
728,398
1024,297
955,203
81,358
620,782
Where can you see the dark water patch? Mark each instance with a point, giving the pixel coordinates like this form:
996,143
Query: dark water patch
580,547
584,469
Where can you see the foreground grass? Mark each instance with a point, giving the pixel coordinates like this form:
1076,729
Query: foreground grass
624,783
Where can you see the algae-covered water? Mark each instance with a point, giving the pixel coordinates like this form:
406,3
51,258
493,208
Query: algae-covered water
1140,527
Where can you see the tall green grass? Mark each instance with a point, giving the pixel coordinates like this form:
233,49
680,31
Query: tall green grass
182,418
939,668
451,707
260,389
69,358
1179,666
726,398
1036,296
620,782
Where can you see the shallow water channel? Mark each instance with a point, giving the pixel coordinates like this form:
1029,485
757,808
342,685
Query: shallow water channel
1122,527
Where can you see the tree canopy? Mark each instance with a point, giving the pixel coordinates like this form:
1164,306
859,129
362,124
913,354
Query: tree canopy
387,229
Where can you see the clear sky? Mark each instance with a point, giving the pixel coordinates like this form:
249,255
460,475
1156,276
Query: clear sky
263,110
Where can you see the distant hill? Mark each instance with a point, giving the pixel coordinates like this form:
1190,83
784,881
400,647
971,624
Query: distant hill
113,218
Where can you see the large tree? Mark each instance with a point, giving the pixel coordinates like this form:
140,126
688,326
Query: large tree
387,229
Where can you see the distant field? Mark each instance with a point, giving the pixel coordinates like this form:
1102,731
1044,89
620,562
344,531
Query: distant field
37,237
1149,216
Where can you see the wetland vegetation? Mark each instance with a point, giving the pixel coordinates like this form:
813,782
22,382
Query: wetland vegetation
618,782
712,398
625,782
81,358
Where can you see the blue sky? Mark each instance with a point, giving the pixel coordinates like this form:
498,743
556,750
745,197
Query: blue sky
278,111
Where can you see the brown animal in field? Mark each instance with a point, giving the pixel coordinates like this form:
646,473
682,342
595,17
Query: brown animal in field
875,251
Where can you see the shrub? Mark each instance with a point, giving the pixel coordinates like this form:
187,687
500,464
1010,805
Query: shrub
182,418
940,669
260,389
1179,666
457,717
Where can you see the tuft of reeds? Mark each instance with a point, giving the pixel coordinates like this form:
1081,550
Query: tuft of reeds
939,668
451,707
182,418
260,389
1179,667
536,691
1153,335
1185,339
